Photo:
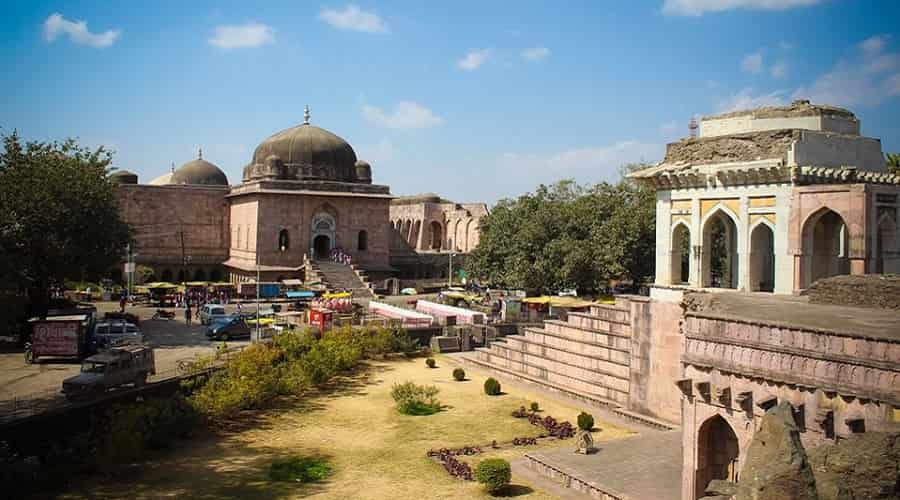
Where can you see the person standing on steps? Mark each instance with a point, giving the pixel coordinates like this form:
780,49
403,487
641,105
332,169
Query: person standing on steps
187,312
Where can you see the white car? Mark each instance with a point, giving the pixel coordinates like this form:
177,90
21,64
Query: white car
210,313
115,333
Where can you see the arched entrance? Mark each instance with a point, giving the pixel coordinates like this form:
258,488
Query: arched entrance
826,242
167,275
717,454
322,239
436,235
681,255
762,258
888,259
321,246
720,258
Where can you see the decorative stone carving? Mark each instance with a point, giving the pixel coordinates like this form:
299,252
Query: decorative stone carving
584,442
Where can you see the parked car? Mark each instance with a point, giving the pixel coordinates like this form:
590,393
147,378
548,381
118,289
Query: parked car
129,364
211,312
114,333
228,328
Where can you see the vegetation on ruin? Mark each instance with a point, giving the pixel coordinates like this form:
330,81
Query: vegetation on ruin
568,236
416,400
893,162
494,474
59,217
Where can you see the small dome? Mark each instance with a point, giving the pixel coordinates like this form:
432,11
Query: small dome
200,172
363,172
162,180
123,177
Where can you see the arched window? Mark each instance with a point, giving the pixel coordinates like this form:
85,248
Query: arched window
247,243
284,241
720,259
363,241
762,258
681,254
238,244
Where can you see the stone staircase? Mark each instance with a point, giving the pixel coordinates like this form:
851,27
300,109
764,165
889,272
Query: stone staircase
587,357
342,276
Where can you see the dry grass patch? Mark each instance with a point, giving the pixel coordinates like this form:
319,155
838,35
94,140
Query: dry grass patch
374,451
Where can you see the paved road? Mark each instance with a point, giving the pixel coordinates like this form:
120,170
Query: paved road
172,340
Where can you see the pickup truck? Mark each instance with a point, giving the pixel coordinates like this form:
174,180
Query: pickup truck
129,364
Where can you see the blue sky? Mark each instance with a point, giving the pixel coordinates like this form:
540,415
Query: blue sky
473,100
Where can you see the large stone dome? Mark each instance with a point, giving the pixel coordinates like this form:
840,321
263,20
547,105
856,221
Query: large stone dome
304,152
200,172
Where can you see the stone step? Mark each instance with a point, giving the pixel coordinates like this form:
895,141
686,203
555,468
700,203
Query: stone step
588,322
606,361
610,313
570,376
576,334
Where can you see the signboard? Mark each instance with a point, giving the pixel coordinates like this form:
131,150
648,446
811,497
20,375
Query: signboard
129,267
56,338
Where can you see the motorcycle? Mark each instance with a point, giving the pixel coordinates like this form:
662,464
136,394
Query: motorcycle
163,314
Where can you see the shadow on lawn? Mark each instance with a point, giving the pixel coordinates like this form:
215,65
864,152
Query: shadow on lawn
218,463
514,490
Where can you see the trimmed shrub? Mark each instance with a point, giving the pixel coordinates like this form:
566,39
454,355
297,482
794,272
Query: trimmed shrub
494,474
459,374
535,407
431,363
585,421
492,387
299,470
416,400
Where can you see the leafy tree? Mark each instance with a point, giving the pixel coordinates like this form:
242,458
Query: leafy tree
567,235
59,217
893,163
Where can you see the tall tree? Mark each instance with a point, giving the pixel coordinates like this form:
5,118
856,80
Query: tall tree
566,236
893,162
59,217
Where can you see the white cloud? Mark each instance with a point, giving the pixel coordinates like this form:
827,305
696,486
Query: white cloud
591,161
752,63
869,76
700,7
745,99
77,32
474,59
383,151
353,18
406,114
535,53
779,69
237,36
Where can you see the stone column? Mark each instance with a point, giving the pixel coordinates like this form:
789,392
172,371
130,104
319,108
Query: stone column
743,245
696,249
663,238
688,448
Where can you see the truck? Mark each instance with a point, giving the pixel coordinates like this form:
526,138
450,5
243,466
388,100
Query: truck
64,336
129,364
266,290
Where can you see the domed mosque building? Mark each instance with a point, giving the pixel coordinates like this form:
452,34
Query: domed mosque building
303,195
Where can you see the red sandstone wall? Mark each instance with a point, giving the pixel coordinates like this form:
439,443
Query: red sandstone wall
159,213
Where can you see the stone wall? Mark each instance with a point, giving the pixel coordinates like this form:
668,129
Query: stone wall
159,214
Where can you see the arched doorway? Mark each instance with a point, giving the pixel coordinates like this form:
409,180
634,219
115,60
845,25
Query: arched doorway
826,242
717,454
720,258
681,255
199,275
215,275
362,241
167,275
322,239
762,258
321,246
888,259
436,235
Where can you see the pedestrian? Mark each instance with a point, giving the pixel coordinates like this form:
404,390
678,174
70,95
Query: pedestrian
239,308
122,304
187,313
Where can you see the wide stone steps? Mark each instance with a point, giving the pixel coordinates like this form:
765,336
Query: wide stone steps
584,335
573,377
341,276
594,357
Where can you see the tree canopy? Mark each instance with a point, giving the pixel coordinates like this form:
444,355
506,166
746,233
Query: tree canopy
59,217
568,236
893,162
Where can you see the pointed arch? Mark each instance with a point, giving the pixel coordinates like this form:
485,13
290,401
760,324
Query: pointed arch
718,453
826,244
887,243
719,240
762,256
681,253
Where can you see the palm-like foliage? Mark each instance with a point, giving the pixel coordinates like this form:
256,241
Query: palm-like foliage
893,162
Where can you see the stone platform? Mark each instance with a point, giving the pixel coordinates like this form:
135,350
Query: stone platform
644,467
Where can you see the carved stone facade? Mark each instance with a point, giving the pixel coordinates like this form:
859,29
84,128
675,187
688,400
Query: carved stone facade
428,223
773,199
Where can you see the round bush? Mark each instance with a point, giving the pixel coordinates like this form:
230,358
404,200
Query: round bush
493,473
535,407
430,362
459,374
585,421
492,387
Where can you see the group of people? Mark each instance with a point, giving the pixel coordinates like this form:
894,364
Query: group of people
340,256
202,297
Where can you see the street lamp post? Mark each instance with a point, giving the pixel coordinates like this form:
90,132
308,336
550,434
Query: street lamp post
450,273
